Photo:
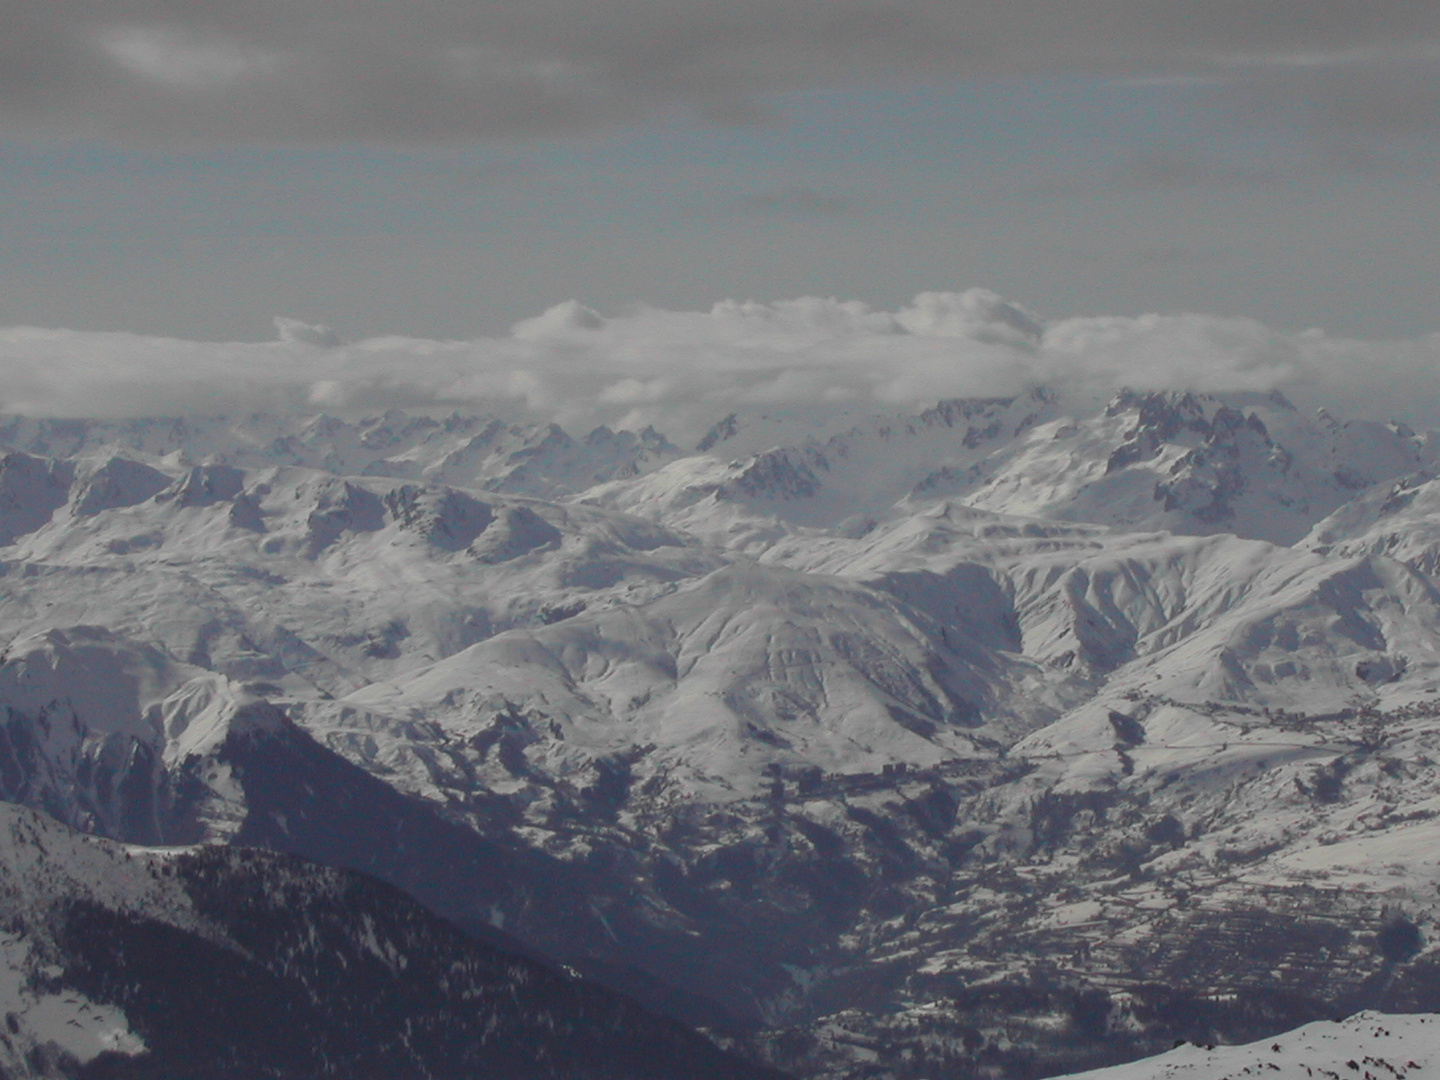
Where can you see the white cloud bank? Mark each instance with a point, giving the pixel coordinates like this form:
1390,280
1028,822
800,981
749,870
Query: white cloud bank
681,370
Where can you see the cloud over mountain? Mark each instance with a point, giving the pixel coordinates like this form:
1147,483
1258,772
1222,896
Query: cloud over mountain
682,369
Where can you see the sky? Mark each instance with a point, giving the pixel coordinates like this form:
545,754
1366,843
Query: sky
443,170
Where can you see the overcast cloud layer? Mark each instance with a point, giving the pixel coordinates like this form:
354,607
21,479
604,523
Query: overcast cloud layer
681,371
443,70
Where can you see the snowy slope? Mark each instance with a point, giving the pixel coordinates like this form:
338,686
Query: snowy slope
99,729
1366,1043
1399,519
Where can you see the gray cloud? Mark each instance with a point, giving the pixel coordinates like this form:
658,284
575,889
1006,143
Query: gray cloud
1161,255
1167,169
795,201
444,70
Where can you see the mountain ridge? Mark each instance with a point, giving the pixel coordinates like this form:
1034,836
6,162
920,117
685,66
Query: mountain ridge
225,962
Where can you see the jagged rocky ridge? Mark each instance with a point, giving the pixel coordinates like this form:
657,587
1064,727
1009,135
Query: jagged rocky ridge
968,740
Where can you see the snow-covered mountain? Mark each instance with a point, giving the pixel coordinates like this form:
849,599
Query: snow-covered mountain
1005,735
475,451
318,583
1247,464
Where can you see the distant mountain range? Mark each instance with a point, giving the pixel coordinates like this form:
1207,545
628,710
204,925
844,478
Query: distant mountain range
1004,736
